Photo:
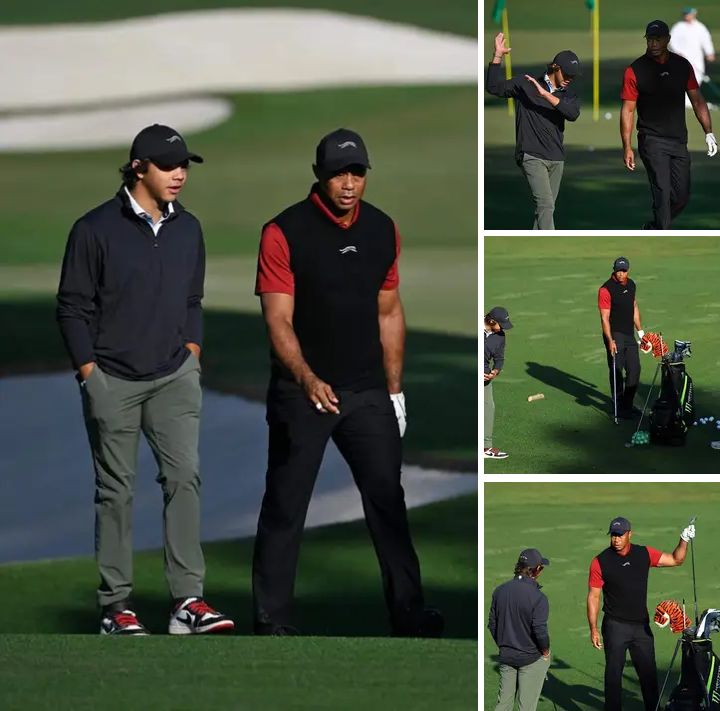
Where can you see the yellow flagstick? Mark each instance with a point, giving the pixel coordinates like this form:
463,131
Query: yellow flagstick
596,59
508,61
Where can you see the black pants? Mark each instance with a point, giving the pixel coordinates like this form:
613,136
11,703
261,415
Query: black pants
367,435
618,638
668,168
627,360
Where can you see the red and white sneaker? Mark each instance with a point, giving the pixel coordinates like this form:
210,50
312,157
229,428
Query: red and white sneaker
194,616
494,453
122,622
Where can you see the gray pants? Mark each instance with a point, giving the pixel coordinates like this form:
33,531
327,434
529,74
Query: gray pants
167,412
489,414
525,682
544,178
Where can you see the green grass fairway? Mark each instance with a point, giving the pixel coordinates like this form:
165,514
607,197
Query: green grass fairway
48,615
89,673
597,190
549,286
568,523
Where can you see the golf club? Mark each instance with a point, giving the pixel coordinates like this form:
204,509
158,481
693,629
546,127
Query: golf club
615,415
667,676
692,560
647,399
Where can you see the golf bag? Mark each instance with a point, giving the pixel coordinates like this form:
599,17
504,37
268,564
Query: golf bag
699,685
674,411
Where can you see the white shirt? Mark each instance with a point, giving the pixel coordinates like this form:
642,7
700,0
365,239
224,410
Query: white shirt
138,210
692,40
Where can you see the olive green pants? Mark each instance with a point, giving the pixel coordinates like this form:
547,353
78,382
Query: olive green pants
167,412
489,414
544,178
524,682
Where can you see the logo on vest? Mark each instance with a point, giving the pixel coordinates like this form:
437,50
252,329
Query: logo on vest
664,74
624,564
345,250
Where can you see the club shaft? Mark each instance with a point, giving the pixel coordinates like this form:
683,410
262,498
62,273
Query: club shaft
692,561
667,676
615,404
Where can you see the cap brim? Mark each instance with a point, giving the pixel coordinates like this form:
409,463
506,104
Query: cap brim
334,166
545,561
617,533
505,325
175,157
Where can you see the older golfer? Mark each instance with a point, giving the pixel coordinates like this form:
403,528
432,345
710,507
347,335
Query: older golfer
543,104
620,575
655,84
518,624
328,282
619,312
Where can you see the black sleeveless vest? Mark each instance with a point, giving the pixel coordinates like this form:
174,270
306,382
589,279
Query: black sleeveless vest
338,275
625,583
622,305
661,100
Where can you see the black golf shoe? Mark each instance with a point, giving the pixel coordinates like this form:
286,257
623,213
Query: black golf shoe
274,629
427,623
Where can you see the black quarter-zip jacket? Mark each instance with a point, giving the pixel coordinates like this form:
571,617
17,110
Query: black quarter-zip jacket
128,299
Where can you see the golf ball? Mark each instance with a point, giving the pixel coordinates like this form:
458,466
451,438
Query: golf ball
608,115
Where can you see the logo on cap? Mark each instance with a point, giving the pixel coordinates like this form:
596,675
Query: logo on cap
345,250
573,61
174,138
347,144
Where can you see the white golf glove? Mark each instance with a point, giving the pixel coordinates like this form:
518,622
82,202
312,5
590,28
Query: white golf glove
711,144
640,333
398,401
688,533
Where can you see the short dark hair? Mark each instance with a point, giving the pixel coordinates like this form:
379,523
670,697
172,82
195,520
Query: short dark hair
527,572
129,174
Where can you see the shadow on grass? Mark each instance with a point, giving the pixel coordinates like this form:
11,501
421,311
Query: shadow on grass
440,373
584,392
338,588
597,192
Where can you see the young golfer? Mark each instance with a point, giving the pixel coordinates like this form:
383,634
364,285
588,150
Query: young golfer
543,104
129,308
497,321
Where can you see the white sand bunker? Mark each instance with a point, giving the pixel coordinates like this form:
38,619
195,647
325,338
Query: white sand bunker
46,478
99,128
206,52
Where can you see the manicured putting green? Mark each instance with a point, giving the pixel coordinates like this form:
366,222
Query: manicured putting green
550,286
568,523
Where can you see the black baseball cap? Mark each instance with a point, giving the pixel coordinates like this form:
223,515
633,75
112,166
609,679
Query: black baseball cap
531,557
340,149
499,314
162,145
569,62
657,28
619,526
621,264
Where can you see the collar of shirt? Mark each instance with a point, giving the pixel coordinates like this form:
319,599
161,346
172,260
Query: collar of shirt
140,212
551,87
